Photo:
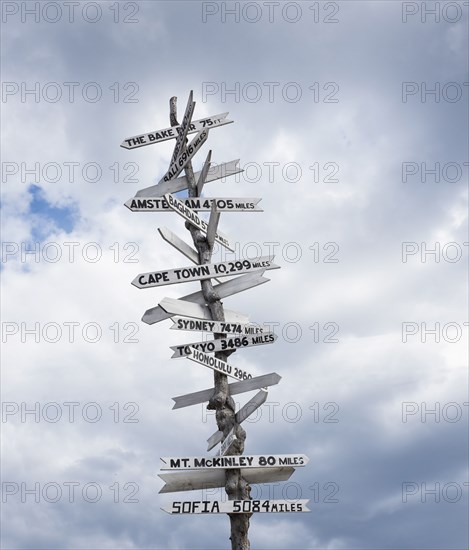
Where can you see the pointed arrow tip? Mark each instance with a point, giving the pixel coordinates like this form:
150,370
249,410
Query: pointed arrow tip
146,317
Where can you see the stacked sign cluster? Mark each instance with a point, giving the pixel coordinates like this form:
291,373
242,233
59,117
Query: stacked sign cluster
191,313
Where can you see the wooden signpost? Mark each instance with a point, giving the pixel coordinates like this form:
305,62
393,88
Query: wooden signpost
203,311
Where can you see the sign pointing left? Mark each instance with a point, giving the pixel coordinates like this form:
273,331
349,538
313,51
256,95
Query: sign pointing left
203,271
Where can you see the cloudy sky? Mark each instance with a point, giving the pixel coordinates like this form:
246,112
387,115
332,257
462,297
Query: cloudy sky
350,120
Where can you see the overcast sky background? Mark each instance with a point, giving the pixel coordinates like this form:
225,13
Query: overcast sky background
371,475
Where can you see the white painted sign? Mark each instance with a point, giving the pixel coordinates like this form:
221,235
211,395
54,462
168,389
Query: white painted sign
219,327
184,127
173,306
192,217
180,245
226,443
235,506
192,480
218,365
251,406
203,174
212,225
204,271
224,344
189,252
158,136
233,461
177,166
216,172
235,388
227,288
198,204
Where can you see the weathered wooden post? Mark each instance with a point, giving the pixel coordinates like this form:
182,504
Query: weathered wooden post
204,311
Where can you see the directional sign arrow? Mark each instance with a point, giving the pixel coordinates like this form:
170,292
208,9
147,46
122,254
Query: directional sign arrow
174,306
204,479
236,506
226,443
224,344
235,388
251,406
177,166
233,461
158,136
243,413
212,225
205,271
216,172
219,327
198,204
203,174
192,217
180,245
220,366
228,288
